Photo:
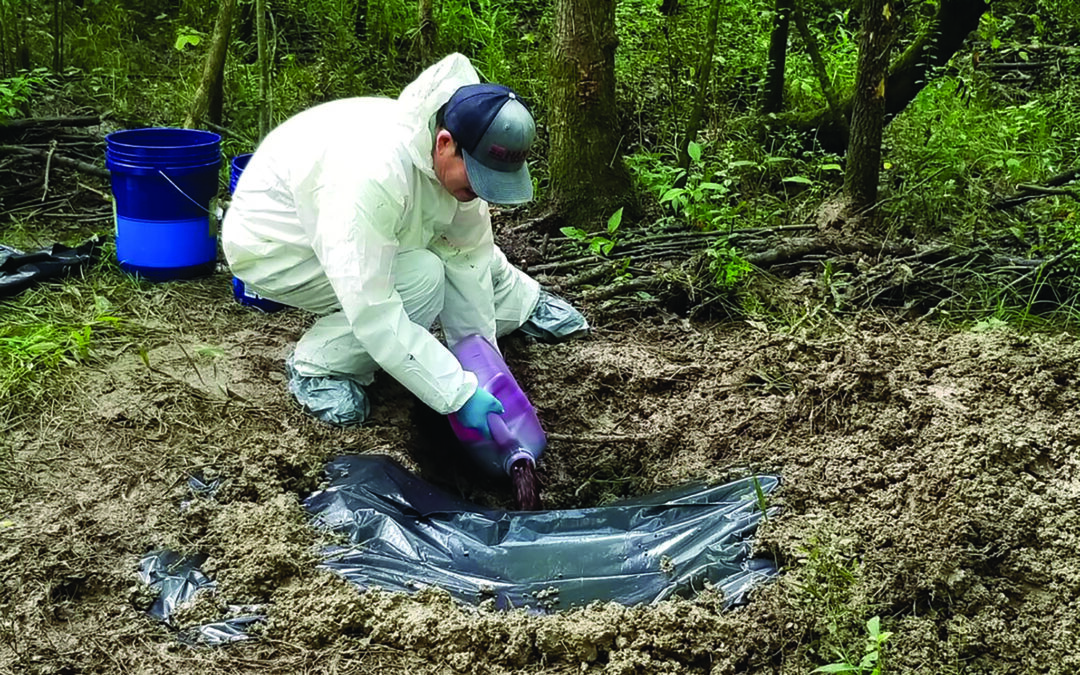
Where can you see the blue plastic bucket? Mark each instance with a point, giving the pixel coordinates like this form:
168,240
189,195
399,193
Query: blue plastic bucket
238,164
240,292
163,181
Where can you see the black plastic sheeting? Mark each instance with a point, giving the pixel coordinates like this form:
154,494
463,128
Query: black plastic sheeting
405,534
18,270
177,579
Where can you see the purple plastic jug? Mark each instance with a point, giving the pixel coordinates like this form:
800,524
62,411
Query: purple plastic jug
516,434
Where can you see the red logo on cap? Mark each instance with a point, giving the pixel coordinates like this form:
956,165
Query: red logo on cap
504,155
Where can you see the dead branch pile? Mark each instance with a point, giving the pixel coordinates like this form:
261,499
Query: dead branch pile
851,273
53,168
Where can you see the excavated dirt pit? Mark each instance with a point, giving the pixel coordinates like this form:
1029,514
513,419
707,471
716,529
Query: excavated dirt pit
930,479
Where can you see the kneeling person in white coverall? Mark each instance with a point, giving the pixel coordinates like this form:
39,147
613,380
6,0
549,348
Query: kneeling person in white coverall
373,212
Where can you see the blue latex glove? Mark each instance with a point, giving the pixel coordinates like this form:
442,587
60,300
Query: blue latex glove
474,414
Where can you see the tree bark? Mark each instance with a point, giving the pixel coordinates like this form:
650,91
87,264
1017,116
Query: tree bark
774,76
589,180
210,94
868,113
427,31
704,72
58,36
261,34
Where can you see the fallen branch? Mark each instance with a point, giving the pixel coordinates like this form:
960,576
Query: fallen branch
619,288
1030,192
84,167
22,125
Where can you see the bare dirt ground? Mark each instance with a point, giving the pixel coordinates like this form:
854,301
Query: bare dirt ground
929,478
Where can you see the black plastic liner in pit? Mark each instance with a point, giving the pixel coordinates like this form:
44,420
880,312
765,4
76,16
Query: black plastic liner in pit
405,534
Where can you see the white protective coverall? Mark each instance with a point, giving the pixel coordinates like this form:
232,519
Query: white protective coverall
339,212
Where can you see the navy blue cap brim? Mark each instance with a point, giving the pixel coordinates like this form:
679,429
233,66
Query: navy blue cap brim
499,187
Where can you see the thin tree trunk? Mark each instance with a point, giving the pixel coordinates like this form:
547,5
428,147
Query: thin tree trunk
264,68
704,73
819,66
427,31
868,113
774,77
361,21
23,59
209,96
954,21
58,36
6,66
589,180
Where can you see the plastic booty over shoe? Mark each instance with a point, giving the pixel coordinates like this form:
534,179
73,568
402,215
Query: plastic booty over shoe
554,320
334,400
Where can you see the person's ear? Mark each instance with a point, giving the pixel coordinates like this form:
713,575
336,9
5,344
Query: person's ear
443,140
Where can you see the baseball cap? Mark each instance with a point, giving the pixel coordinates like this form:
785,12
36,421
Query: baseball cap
495,130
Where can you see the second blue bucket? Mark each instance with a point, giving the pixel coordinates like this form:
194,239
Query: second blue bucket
237,166
241,292
163,181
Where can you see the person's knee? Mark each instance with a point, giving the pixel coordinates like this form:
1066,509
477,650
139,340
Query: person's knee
420,280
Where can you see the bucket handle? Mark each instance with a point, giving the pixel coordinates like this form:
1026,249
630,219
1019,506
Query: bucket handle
178,189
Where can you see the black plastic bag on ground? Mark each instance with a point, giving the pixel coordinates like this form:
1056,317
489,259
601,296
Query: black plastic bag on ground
19,270
406,534
176,579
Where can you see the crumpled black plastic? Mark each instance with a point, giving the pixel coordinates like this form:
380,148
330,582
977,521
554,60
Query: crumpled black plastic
177,578
406,534
19,270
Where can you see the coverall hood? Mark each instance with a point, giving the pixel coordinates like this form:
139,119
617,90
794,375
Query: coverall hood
423,97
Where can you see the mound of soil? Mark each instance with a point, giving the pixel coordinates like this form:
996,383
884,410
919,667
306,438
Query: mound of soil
930,479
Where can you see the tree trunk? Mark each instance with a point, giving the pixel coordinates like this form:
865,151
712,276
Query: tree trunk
704,72
774,77
58,36
7,67
427,31
868,111
589,180
360,24
23,59
209,96
954,21
819,66
264,68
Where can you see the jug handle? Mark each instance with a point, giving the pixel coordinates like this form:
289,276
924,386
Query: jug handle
501,434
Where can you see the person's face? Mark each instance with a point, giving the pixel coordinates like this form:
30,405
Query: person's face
450,167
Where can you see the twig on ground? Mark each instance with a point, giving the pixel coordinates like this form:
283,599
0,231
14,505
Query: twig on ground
59,159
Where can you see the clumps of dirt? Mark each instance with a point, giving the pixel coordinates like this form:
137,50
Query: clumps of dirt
320,610
255,547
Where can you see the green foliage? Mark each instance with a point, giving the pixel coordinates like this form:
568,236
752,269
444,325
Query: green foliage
953,154
728,268
871,662
597,244
826,583
16,92
186,36
33,347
